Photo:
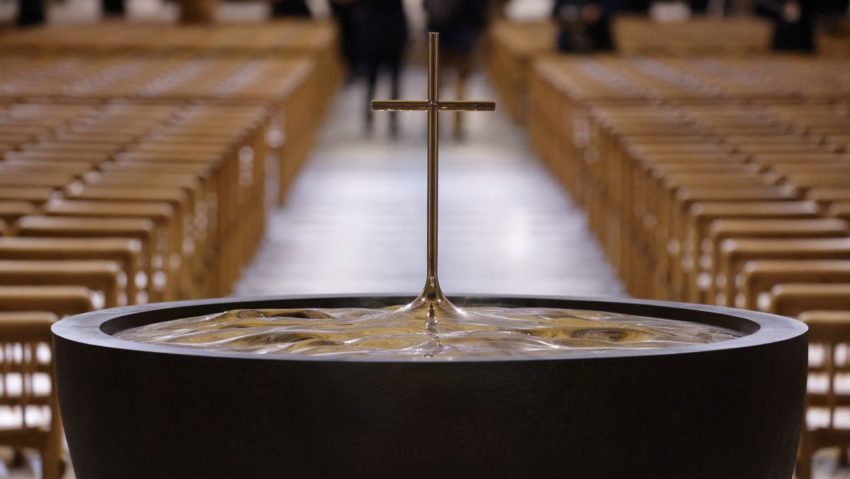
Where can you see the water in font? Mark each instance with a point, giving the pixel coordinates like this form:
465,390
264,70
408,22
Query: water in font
404,333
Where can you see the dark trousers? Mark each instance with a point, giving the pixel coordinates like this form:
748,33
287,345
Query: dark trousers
345,19
372,70
31,12
290,8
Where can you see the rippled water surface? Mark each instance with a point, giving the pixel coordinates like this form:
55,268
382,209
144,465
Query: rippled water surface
398,333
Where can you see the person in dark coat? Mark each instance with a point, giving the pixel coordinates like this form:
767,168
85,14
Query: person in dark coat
31,13
113,8
290,8
793,24
583,25
343,11
459,23
381,27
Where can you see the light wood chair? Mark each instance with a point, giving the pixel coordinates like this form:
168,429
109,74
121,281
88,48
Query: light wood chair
96,275
759,276
792,299
723,229
735,253
840,209
10,211
31,194
829,340
124,252
28,389
60,300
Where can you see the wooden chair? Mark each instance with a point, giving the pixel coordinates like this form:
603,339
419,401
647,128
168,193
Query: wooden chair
10,211
759,276
840,209
723,229
735,253
700,217
96,275
30,194
60,300
829,339
50,180
122,251
168,254
792,299
28,388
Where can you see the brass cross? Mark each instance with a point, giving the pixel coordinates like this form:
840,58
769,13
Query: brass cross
433,296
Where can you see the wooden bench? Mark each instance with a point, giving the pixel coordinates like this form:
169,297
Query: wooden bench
96,275
124,252
759,276
723,229
792,299
90,158
36,195
26,359
840,209
168,257
59,300
702,214
825,196
10,211
829,335
50,180
735,253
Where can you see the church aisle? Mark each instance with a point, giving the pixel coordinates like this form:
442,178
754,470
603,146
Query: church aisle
355,218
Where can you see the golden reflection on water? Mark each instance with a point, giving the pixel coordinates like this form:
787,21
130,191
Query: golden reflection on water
398,333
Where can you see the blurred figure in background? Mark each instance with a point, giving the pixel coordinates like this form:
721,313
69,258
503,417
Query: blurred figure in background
459,23
381,32
290,8
583,25
793,24
113,8
343,11
31,12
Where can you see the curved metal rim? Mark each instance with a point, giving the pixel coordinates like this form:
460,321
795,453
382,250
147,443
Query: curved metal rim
763,329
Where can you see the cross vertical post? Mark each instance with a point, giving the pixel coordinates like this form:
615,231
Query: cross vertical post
432,296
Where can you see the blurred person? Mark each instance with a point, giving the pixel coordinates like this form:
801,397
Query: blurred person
381,32
113,8
793,24
291,8
583,25
343,12
31,13
459,23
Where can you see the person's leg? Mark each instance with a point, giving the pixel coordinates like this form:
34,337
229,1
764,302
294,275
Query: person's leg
395,72
371,84
464,68
31,12
113,8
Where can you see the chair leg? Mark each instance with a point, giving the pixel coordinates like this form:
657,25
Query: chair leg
51,462
804,457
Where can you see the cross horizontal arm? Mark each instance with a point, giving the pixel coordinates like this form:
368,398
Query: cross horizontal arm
408,105
466,105
399,105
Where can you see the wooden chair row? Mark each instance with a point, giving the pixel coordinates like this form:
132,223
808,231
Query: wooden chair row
189,186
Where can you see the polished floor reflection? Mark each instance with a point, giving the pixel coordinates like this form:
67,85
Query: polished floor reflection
355,219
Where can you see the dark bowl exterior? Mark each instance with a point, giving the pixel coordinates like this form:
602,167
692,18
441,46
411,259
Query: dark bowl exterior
730,410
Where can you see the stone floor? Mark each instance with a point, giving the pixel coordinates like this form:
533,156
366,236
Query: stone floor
355,219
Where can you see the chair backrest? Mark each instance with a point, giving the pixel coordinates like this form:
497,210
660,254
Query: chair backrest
26,373
829,360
